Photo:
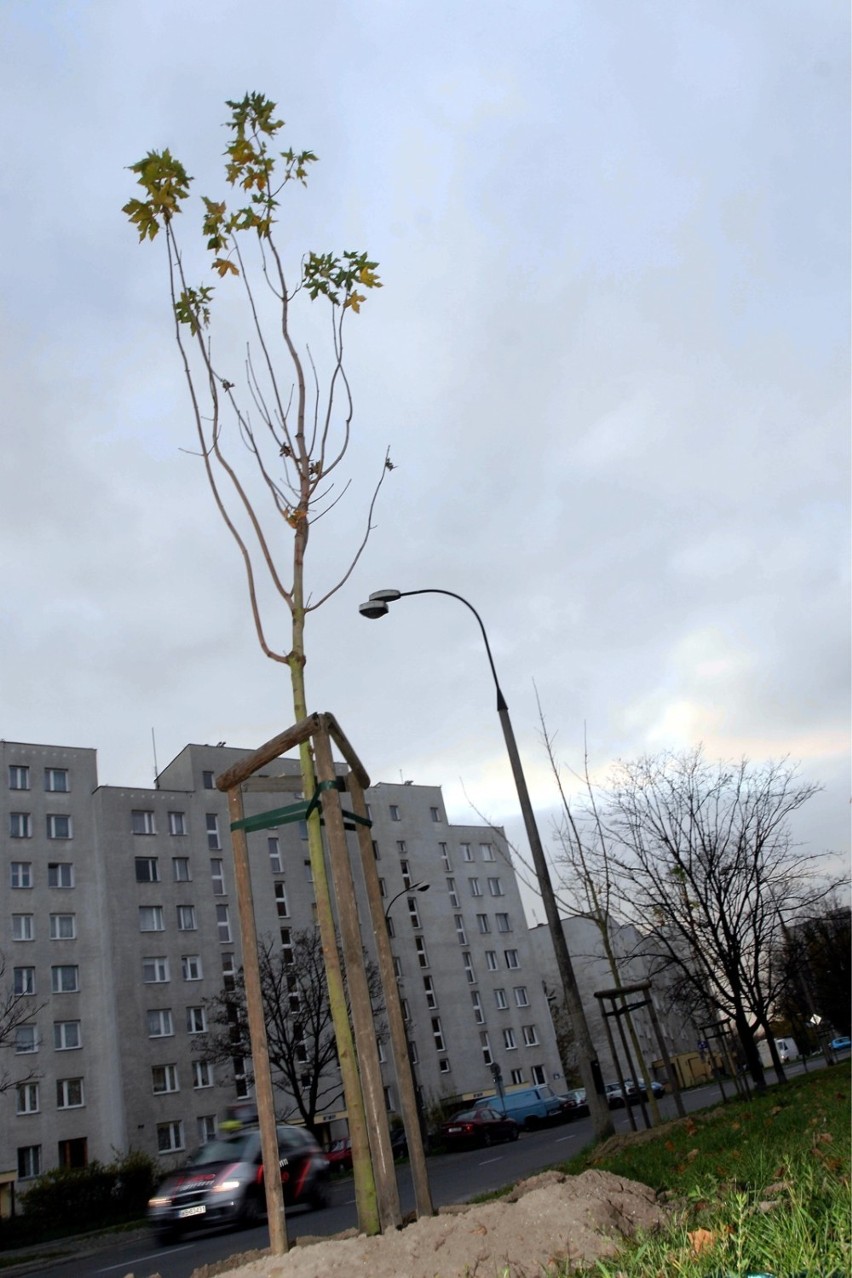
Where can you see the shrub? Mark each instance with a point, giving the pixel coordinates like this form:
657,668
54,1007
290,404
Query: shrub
75,1198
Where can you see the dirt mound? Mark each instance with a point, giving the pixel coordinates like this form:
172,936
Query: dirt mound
545,1219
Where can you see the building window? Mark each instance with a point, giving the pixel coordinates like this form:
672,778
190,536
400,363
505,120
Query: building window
147,869
422,956
69,1093
438,1034
394,812
444,1065
164,1078
491,960
509,1040
521,998
27,1101
20,825
63,927
517,1077
405,1010
142,822
23,981
478,1013
19,776
435,814
466,851
169,1137
453,894
281,907
22,927
208,781
413,912
67,1036
26,1039
401,848
483,924
205,1126
445,857
181,872
485,1044
202,1074
217,875
214,843
196,1020
56,780
431,996
500,999
21,874
229,972
412,1052
29,1161
495,887
159,1022
470,974
475,887
503,923
65,978
287,954
155,970
538,1075
60,874
486,851
151,918
406,876
186,918
274,854
191,967
177,823
223,924
530,1036
511,957
460,929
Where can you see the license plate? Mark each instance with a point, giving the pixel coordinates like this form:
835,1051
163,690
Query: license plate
191,1211
451,1131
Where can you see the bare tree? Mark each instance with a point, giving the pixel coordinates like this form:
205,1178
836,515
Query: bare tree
300,1032
289,413
706,863
18,1009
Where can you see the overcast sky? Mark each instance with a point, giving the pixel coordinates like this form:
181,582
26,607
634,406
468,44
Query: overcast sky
610,359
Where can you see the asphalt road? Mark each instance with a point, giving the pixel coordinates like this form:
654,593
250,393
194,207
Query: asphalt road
453,1178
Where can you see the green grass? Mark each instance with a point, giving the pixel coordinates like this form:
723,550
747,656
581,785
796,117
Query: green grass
757,1186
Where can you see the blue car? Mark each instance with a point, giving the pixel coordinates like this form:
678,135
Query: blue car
841,1044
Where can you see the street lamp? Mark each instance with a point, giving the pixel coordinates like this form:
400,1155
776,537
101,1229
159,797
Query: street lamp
377,606
415,887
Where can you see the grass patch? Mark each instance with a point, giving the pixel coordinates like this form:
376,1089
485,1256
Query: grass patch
759,1186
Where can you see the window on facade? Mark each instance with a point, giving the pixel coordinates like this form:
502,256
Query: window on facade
500,999
217,875
186,918
147,869
23,981
20,825
169,1137
445,857
60,874
509,1041
467,962
438,1034
26,1039
223,924
287,955
517,1077
69,1093
181,872
202,1074
56,780
406,876
65,978
63,927
229,972
390,927
274,849
67,1036
495,887
483,924
142,822
461,934
512,959
444,1065
503,923
435,814
23,927
27,1099
406,1010
413,912
196,1020
281,906
491,960
475,887
159,1022
58,826
155,970
485,1044
151,918
394,812
19,776
29,1161
466,851
521,997
538,1075
400,847
309,874
177,824
530,1036
164,1078
453,894
191,967
205,1126
208,780
420,947
212,824
431,996
478,1013
21,874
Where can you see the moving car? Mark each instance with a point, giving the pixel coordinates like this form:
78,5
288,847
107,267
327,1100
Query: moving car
222,1184
478,1126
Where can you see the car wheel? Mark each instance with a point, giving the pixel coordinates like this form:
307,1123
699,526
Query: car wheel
487,1138
318,1196
251,1213
516,1131
531,1124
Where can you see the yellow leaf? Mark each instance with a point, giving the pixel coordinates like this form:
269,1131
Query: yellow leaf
223,266
701,1240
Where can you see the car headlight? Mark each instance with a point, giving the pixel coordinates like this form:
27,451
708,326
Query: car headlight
226,1187
159,1202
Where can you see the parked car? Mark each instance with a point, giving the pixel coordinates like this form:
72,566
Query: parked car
574,1104
478,1126
530,1107
841,1044
222,1184
639,1088
339,1155
614,1095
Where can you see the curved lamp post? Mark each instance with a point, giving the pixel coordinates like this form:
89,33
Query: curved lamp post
415,887
377,606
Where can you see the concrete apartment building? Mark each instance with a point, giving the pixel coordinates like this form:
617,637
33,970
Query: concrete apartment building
120,922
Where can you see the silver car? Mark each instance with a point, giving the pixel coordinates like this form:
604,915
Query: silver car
222,1184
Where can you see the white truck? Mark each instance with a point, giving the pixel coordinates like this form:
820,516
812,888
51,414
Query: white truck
786,1048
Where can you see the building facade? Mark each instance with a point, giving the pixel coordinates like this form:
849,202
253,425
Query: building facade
121,923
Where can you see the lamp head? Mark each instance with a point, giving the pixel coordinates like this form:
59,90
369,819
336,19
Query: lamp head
373,608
